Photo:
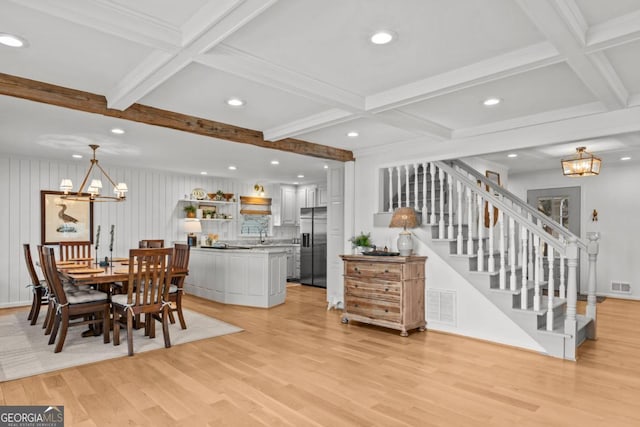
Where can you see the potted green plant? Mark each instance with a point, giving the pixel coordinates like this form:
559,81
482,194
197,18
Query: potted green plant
361,242
190,210
219,195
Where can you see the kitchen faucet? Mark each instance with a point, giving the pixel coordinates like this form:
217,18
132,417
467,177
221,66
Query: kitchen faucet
261,238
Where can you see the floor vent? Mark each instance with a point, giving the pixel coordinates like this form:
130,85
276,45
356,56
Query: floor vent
441,306
621,287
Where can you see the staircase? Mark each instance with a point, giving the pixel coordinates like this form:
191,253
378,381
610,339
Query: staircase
512,264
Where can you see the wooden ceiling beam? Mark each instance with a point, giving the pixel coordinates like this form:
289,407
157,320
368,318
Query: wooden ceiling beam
37,91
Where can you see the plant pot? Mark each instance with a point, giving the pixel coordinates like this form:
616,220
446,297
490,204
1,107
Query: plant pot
191,214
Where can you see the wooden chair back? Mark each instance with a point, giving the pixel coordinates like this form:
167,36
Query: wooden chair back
50,270
150,272
33,276
180,260
70,250
151,243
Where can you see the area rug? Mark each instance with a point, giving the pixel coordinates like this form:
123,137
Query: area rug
24,350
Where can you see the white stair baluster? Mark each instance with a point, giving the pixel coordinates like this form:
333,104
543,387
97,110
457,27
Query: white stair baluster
480,233
441,219
512,254
536,273
407,187
399,186
459,218
416,187
450,204
562,289
390,189
425,218
432,172
469,221
492,263
551,289
524,294
503,271
530,269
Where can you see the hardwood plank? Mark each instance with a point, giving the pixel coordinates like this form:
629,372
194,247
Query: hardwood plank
60,96
296,364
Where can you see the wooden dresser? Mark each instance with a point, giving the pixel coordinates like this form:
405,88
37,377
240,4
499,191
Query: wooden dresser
385,291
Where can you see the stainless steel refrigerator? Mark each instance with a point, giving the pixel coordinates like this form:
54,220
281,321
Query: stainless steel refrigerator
313,246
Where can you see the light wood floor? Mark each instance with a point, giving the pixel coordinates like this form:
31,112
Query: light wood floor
297,365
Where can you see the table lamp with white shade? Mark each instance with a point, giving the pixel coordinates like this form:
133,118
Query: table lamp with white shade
192,226
405,218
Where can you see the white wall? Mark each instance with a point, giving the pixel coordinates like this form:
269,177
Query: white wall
615,195
151,211
476,316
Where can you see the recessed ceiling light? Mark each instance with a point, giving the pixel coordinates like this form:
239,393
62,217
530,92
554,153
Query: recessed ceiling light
625,158
12,40
300,176
275,162
203,173
512,155
232,168
352,134
76,156
326,166
382,37
117,131
235,102
490,102
296,183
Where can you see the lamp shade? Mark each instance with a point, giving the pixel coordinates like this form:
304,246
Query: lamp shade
192,226
582,164
404,218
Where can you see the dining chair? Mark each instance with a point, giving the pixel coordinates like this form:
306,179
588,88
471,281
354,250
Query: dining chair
71,250
147,293
39,287
180,264
151,243
87,307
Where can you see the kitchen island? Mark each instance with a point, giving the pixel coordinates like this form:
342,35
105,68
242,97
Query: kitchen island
252,276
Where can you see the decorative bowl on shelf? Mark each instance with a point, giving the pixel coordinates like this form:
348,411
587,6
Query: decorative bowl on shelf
211,195
228,196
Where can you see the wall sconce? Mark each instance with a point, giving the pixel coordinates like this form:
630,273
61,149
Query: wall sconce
259,189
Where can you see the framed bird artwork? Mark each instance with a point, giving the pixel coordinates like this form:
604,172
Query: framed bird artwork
64,220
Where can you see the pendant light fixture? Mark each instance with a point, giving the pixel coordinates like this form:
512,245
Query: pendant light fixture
93,191
582,164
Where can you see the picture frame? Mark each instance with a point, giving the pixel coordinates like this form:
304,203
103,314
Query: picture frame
64,220
494,177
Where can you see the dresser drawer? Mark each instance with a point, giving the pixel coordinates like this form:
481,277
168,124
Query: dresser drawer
378,289
373,269
374,309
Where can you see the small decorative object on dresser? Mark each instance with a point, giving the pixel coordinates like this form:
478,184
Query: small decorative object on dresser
385,291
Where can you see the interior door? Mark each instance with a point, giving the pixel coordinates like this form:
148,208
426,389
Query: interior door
563,206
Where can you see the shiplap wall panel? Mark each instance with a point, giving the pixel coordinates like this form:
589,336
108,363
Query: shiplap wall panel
151,211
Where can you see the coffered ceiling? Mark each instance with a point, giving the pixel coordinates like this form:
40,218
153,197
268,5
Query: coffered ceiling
567,73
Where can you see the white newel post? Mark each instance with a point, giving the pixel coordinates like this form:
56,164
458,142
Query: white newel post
459,238
592,251
536,272
425,218
441,220
524,294
432,172
390,189
450,205
469,221
503,271
512,254
399,186
480,233
551,289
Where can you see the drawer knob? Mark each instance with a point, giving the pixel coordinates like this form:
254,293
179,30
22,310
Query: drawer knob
355,286
386,270
356,269
356,305
386,289
386,310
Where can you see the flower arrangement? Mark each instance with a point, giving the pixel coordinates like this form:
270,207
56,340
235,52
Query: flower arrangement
362,239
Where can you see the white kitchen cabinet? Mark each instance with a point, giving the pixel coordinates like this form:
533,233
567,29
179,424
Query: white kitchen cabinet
307,196
322,196
288,205
290,264
296,262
